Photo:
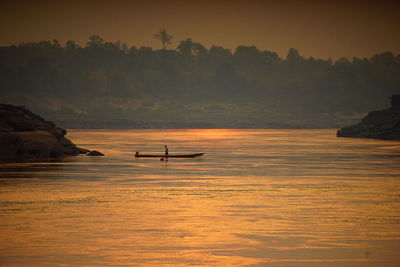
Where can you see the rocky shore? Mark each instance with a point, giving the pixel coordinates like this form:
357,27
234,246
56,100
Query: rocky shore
384,124
25,136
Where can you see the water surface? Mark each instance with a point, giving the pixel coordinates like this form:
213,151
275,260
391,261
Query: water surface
256,198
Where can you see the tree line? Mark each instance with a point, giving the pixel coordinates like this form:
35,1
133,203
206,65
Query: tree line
193,83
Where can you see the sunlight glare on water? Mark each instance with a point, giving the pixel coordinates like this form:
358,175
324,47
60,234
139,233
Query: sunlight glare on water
256,198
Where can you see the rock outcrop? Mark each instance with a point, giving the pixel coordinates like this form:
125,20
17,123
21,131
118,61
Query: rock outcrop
26,136
384,124
95,153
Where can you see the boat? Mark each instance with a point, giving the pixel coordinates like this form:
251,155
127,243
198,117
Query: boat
169,156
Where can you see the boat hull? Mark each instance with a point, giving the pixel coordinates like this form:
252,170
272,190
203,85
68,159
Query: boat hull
169,156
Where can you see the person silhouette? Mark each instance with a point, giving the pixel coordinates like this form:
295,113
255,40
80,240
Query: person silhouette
166,151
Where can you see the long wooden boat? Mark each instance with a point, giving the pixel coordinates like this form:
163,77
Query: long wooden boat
169,156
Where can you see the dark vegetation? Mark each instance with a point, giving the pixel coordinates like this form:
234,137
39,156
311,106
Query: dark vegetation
111,85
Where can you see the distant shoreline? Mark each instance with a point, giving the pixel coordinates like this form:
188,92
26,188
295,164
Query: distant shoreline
113,125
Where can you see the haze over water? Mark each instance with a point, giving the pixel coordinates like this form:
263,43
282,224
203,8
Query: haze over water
257,197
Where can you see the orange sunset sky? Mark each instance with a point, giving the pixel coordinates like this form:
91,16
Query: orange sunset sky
320,29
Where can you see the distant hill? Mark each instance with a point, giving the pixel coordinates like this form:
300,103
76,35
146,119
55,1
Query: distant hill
109,85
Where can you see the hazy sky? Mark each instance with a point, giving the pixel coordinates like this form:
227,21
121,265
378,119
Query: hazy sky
320,29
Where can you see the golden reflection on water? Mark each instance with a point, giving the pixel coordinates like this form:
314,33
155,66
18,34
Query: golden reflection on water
258,197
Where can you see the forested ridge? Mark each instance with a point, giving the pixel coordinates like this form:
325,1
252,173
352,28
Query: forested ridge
110,85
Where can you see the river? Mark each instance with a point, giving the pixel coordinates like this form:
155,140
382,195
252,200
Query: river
256,198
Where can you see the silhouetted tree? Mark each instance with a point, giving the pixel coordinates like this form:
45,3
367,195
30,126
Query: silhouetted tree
185,47
271,57
293,56
71,45
218,51
248,56
95,41
190,48
164,37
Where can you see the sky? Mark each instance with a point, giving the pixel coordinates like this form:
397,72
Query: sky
320,29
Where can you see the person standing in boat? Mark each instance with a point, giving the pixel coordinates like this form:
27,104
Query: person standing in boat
166,151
